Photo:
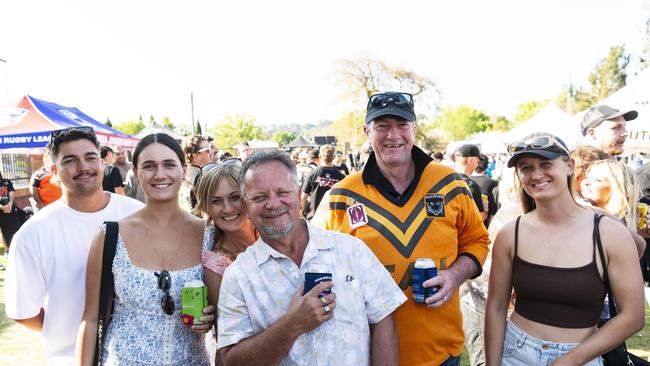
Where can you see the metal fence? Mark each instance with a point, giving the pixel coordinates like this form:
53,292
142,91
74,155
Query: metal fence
17,167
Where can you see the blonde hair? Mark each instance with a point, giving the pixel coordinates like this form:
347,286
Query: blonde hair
624,191
206,188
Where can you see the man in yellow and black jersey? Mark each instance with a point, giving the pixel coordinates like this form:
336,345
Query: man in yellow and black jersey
404,206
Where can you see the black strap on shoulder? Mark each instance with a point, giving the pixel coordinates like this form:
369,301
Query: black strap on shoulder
601,253
517,233
106,288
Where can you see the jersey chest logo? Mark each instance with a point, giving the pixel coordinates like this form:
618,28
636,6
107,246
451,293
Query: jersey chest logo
434,205
357,216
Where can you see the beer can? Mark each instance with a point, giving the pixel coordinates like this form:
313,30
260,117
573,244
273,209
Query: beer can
642,212
317,273
423,270
194,297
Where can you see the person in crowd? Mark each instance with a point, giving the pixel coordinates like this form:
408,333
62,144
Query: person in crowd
43,187
339,164
266,316
604,127
466,160
319,181
404,206
438,157
43,284
132,188
303,168
244,151
583,156
113,181
9,220
549,256
643,175
120,161
159,250
214,150
198,153
489,187
220,202
612,186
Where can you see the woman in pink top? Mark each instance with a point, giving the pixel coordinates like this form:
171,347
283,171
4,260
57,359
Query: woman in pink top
219,200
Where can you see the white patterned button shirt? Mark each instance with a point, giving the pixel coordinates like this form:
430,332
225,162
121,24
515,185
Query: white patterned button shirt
257,288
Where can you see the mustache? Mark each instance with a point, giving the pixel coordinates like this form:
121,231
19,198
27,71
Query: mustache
92,174
276,212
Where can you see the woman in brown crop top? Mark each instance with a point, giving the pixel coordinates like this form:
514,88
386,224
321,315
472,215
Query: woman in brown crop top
549,257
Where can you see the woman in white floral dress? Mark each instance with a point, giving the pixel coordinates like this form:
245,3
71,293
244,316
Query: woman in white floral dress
159,250
220,202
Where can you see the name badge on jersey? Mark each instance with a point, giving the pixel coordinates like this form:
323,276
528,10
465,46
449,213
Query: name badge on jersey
357,216
434,204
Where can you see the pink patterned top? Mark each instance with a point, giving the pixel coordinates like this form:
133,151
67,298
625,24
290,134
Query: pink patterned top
216,262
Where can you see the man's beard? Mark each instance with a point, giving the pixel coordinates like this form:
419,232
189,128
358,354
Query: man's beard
276,232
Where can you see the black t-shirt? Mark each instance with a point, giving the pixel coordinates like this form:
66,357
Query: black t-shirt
488,186
112,178
343,169
319,181
5,187
475,190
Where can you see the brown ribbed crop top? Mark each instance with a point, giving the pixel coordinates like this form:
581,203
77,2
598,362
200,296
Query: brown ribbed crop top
561,297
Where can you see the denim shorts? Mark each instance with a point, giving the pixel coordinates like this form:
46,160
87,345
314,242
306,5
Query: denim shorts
520,349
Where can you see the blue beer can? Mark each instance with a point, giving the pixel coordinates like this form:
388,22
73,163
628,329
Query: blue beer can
423,270
316,274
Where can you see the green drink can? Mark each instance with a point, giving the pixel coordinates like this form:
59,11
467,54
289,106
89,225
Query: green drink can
194,298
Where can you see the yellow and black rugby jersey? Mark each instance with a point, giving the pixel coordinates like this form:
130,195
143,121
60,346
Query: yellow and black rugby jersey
439,221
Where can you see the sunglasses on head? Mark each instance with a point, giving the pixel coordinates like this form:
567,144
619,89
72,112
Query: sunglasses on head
86,130
384,99
538,142
164,284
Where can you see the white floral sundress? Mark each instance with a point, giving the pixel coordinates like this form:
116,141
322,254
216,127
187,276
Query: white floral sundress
140,333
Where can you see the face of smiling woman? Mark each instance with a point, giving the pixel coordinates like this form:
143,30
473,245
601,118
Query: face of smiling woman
159,172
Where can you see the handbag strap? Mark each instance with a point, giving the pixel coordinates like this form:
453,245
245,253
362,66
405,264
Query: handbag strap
601,253
106,288
608,287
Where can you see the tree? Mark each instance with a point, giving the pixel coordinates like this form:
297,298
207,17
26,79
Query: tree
152,121
609,74
575,99
500,123
462,121
235,129
130,128
284,137
346,130
199,130
108,122
168,123
529,109
364,77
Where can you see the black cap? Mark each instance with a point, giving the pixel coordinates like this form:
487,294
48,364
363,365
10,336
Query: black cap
596,115
555,148
394,104
468,150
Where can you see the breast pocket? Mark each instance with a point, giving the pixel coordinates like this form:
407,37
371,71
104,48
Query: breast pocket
349,296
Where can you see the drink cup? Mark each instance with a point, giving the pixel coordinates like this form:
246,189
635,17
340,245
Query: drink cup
423,270
317,273
194,298
642,212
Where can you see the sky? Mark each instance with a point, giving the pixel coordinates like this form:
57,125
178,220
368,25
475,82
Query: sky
277,60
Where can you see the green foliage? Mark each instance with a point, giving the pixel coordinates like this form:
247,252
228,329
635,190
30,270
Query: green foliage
574,100
529,109
609,74
130,128
284,137
235,129
168,123
108,122
500,123
199,130
462,121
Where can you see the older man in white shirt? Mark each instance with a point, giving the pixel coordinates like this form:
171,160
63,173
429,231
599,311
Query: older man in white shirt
264,318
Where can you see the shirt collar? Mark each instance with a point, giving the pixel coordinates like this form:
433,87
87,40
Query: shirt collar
372,175
316,242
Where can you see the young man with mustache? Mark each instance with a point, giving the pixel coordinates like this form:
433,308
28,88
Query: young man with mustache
44,284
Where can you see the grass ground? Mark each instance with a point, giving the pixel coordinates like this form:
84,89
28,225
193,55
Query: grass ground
21,346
